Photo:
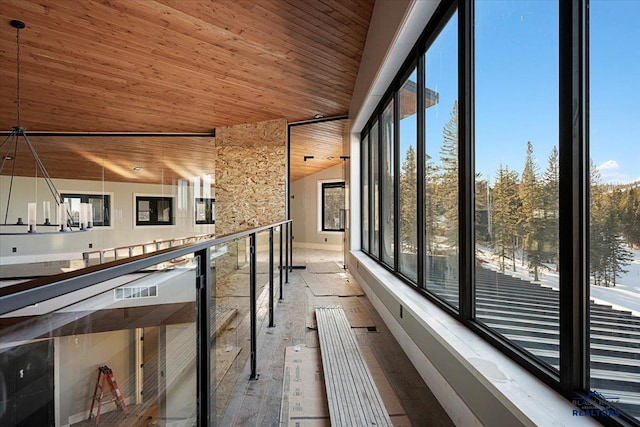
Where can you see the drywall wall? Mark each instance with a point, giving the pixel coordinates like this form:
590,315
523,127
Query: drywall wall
305,208
80,357
122,230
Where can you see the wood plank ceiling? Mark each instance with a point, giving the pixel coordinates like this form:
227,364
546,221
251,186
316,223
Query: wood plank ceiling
185,66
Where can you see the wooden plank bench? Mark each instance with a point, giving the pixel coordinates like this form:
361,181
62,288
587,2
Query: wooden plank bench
353,397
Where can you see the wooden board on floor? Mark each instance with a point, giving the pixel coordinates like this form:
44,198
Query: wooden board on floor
324,267
304,401
391,402
352,395
313,302
331,284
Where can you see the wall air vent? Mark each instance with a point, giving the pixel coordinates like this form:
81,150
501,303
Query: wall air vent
133,292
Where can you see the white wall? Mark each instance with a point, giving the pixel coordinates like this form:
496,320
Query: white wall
305,209
80,357
122,232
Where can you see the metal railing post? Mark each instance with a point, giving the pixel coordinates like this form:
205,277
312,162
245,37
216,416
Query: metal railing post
271,324
203,334
252,304
286,255
281,266
291,247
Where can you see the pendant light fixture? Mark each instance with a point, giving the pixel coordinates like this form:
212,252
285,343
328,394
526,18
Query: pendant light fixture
9,152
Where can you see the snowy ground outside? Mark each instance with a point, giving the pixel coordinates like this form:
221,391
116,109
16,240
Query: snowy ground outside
624,296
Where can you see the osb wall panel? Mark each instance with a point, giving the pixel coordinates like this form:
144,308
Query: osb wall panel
262,134
250,175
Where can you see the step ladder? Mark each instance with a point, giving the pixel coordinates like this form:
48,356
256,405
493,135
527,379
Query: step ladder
105,377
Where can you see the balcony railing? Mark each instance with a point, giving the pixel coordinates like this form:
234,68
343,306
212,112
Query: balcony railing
168,324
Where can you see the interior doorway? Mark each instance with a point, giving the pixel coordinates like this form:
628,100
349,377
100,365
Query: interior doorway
317,167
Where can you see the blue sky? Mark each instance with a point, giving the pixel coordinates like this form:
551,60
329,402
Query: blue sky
517,85
615,87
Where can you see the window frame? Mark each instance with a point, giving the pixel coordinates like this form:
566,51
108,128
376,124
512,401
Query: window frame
153,221
323,185
210,210
365,213
572,380
106,199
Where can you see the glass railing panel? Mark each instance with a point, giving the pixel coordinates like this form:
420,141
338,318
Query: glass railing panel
140,326
277,235
230,320
262,272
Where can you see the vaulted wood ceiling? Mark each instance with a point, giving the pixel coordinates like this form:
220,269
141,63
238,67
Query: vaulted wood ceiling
179,65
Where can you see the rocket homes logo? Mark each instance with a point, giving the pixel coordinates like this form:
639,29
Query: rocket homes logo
595,404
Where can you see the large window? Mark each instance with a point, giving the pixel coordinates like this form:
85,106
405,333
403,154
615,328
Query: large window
333,206
513,153
516,173
365,193
98,203
154,210
441,165
387,179
375,192
408,176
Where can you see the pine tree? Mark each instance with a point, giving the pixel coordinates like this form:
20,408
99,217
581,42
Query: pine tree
430,205
505,205
530,218
409,203
550,206
448,181
482,209
597,236
630,211
608,252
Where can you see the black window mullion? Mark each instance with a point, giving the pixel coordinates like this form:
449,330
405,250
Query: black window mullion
371,200
380,185
322,208
362,206
371,195
396,180
573,195
466,175
420,153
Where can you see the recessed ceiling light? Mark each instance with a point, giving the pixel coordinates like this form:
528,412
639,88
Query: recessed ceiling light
330,158
318,116
137,168
8,157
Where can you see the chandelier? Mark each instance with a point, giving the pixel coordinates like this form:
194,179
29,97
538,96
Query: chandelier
9,152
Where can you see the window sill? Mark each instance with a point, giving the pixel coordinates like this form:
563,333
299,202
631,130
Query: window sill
474,382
